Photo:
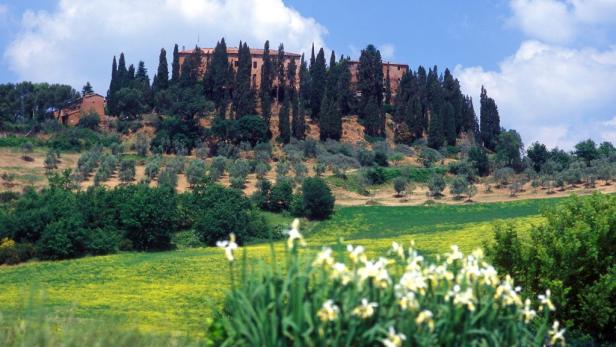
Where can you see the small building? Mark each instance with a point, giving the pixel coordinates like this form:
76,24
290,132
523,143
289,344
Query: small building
72,111
394,71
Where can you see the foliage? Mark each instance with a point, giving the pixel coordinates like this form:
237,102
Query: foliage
318,200
400,185
436,185
195,172
573,255
342,297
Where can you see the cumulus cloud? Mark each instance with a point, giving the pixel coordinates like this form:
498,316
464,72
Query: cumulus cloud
550,93
558,21
387,51
76,41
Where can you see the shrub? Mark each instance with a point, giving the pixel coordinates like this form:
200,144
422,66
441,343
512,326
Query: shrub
343,298
168,178
281,195
374,175
127,170
195,172
221,211
14,253
572,254
51,161
429,156
436,185
380,158
318,200
141,145
400,184
458,186
217,169
152,167
365,157
262,169
89,120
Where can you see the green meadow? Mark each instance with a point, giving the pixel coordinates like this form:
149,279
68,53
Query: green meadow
176,292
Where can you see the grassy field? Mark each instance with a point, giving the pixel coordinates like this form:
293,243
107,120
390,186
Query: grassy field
175,292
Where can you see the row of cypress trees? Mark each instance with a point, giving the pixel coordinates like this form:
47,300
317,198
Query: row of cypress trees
427,104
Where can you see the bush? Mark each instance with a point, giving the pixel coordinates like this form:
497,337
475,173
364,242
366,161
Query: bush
429,156
281,195
89,121
217,169
168,178
400,184
374,175
343,298
572,254
14,253
127,170
380,158
459,186
221,211
436,185
318,200
141,145
195,172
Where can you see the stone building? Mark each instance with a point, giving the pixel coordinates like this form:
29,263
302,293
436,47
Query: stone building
233,54
396,71
73,110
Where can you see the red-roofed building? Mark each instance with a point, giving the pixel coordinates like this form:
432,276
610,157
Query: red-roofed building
73,110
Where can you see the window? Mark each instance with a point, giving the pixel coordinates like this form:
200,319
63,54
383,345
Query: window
254,80
398,67
254,64
236,63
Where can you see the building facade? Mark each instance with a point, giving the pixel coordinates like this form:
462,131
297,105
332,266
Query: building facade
72,111
233,54
396,71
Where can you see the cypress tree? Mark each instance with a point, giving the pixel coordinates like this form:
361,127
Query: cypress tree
130,75
113,87
284,126
318,77
374,120
161,81
142,82
387,87
218,76
122,73
330,125
345,94
87,89
489,121
280,74
175,65
370,78
436,131
312,58
299,126
266,85
243,94
449,123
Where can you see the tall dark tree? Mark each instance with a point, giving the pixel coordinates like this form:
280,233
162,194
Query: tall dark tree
130,75
243,93
175,65
265,91
374,119
281,74
284,126
142,82
489,121
162,75
387,87
436,132
318,78
370,78
330,124
449,123
298,124
218,76
87,89
122,73
344,92
113,87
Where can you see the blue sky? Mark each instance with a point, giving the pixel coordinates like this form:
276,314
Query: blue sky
550,64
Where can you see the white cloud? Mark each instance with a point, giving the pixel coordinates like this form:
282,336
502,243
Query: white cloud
550,93
562,21
387,51
76,42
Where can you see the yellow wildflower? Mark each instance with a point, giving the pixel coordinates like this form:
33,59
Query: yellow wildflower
393,339
425,316
365,310
556,335
546,301
328,312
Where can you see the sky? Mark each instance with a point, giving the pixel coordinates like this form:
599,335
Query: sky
549,64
